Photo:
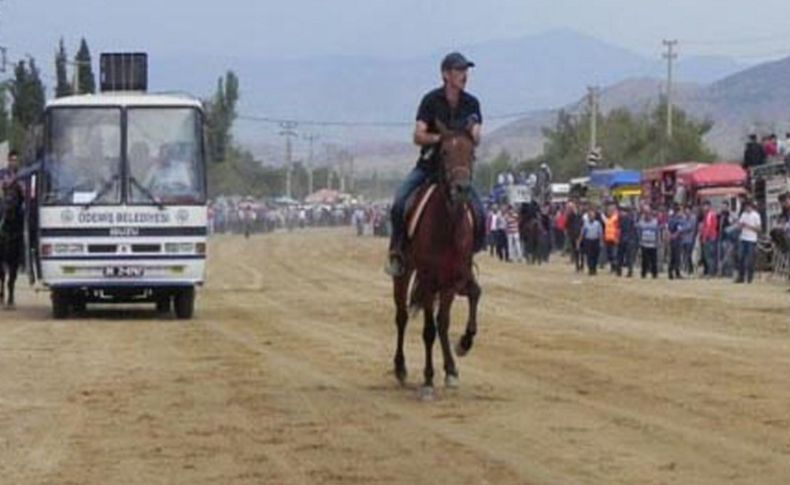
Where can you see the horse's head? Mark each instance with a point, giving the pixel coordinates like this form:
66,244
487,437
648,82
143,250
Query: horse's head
457,154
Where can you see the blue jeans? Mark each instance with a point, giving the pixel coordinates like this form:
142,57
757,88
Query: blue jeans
413,181
710,256
746,261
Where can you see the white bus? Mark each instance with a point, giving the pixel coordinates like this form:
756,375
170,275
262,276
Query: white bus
120,200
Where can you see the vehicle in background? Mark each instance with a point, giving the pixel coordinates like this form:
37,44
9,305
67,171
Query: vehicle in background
119,210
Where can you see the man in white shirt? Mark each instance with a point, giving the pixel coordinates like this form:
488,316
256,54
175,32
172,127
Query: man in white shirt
751,225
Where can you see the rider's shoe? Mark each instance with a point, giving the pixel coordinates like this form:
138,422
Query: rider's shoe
395,268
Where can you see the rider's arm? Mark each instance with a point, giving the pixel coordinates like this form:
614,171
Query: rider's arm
422,136
475,130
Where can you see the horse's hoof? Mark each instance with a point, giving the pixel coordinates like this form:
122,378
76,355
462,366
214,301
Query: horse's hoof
401,376
463,347
426,394
451,382
460,351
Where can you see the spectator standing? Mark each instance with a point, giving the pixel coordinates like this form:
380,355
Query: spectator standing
648,228
687,238
513,237
590,241
628,241
560,224
573,228
750,224
753,155
675,228
501,237
612,237
709,236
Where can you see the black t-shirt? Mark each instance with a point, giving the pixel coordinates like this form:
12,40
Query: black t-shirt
434,106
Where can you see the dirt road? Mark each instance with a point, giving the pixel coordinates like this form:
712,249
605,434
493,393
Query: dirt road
284,377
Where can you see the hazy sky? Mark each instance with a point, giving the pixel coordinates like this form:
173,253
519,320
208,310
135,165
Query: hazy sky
299,28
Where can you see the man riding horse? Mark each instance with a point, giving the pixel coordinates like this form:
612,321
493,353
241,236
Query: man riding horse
11,226
456,109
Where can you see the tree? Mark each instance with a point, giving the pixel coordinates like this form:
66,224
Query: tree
27,91
630,140
4,121
63,87
221,113
87,83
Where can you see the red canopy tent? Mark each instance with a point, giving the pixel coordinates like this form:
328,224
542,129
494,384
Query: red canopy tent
713,175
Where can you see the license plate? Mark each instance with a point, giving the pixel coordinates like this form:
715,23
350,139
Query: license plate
124,272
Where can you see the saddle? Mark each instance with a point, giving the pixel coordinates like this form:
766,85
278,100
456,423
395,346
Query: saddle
415,206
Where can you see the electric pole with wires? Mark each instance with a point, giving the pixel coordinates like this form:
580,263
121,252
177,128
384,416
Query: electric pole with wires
670,55
311,138
288,131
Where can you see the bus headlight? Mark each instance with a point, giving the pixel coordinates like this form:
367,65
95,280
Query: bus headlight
179,248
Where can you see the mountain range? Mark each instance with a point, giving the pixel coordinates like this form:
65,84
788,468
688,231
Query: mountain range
533,75
753,100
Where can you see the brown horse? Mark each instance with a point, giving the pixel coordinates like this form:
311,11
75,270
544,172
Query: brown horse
439,256
11,239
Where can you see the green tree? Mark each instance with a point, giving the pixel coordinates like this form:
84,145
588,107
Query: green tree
630,140
63,87
87,82
221,113
5,124
27,92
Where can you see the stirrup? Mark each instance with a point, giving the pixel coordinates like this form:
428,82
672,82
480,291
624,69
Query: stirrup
395,268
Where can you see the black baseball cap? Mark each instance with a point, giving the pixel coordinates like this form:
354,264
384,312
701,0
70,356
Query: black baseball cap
456,60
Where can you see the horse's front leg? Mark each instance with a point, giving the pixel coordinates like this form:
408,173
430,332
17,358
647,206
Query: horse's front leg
443,320
2,281
428,337
473,291
12,272
401,289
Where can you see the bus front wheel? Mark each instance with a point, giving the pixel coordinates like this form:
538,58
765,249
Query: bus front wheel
60,304
184,303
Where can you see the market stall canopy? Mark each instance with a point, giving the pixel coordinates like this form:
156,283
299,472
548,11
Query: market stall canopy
714,175
612,178
657,173
323,196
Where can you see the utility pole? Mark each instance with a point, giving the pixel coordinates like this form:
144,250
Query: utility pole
311,138
288,131
670,55
593,103
76,65
351,173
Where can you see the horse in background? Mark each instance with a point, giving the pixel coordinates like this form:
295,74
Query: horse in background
11,238
439,257
531,232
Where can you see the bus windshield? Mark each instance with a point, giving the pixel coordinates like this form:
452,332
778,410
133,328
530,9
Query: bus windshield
82,162
165,156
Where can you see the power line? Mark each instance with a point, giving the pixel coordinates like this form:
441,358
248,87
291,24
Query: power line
280,121
363,124
742,40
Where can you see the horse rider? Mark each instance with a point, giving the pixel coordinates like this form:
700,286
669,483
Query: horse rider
10,175
458,110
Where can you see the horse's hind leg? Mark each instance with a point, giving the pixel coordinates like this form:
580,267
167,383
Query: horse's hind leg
401,289
466,341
